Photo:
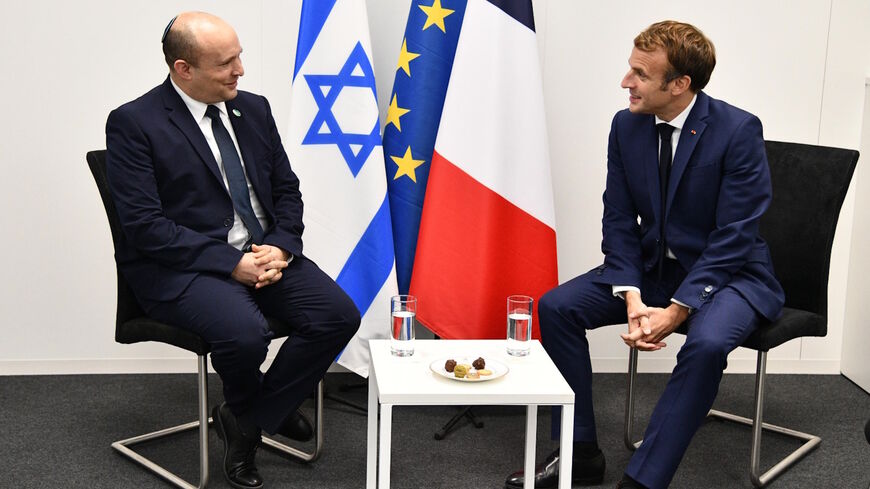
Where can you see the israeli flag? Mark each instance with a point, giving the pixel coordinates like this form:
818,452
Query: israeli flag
334,144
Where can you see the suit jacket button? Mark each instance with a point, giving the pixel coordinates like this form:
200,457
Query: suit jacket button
228,222
708,289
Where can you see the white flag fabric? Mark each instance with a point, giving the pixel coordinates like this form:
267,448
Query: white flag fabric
334,144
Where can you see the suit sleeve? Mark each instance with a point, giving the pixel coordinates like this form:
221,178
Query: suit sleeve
131,174
744,195
621,237
287,200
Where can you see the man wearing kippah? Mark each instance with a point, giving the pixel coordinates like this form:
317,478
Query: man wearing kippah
212,219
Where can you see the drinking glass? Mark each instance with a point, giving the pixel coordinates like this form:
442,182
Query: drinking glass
403,313
519,325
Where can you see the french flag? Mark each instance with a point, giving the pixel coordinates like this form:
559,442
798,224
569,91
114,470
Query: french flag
487,228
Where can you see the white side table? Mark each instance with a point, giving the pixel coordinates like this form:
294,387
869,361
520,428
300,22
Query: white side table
532,380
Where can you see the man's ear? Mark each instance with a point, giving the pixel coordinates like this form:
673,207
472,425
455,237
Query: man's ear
182,68
680,85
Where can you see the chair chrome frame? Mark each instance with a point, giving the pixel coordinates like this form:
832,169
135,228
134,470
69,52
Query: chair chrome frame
810,442
124,446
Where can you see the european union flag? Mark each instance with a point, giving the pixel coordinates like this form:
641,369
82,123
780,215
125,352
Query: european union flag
422,75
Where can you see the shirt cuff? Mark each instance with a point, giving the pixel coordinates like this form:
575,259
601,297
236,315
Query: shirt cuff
620,290
682,304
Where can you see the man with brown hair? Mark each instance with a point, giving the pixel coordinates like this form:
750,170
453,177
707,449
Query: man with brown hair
687,182
212,220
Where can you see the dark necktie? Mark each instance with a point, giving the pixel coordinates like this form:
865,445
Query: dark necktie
235,175
665,158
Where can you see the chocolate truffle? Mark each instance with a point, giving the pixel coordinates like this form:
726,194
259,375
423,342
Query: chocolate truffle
449,365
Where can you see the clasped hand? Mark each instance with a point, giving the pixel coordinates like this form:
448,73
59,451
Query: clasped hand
648,326
261,266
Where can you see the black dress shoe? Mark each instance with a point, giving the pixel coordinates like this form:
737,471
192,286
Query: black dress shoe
297,427
239,450
585,471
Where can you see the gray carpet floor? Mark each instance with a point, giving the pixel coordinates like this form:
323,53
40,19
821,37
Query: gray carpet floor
56,431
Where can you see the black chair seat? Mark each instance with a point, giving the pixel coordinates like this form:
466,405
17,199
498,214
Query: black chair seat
793,323
146,329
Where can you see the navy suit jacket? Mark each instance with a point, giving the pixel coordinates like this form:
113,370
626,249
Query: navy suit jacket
173,206
719,188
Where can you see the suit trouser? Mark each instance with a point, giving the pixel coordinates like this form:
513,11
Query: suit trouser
714,330
230,317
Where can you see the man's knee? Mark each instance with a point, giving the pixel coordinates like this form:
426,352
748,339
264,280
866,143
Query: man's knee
344,314
706,350
247,347
561,307
550,305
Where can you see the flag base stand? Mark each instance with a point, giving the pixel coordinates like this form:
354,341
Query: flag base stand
466,412
358,408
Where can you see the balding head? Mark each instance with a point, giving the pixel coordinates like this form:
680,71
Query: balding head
186,34
203,54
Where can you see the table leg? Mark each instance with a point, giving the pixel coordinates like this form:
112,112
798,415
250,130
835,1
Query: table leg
384,449
372,441
531,438
566,446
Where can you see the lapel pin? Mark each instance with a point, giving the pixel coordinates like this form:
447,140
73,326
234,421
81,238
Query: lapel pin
238,113
693,131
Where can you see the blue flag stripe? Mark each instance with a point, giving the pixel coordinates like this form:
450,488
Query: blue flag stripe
423,93
370,262
314,15
520,11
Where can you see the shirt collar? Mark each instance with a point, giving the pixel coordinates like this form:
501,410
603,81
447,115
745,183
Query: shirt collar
678,121
197,108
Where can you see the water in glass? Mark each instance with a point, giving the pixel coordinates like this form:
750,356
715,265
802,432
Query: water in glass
519,332
402,333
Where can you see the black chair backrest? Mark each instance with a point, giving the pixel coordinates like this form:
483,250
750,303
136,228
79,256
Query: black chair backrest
128,306
809,186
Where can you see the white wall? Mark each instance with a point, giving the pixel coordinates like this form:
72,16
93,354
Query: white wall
856,341
800,66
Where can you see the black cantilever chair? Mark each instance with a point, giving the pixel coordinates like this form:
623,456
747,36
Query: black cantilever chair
809,186
133,326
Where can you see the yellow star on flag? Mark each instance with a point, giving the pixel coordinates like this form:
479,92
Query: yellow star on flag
394,113
407,165
435,15
405,58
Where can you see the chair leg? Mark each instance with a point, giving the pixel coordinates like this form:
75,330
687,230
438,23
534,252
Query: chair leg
629,402
305,457
810,441
123,446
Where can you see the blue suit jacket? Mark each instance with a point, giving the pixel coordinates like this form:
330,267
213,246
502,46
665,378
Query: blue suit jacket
718,189
174,208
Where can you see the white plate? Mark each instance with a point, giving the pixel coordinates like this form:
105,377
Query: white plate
498,369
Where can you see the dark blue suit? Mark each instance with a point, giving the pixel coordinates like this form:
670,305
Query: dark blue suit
718,189
176,212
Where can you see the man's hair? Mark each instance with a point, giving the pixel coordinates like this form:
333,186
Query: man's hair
688,49
179,44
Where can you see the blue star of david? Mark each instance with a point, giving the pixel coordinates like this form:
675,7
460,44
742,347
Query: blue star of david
334,84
